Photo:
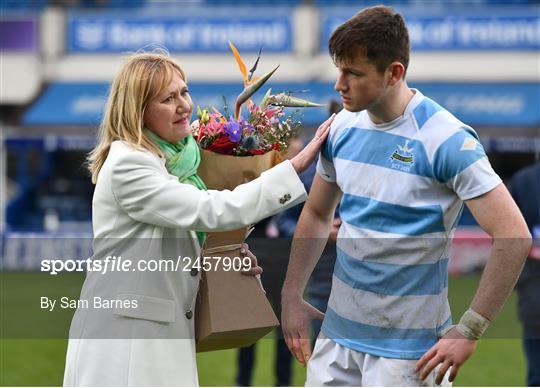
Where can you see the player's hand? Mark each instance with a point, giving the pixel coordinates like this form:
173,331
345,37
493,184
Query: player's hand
451,351
296,315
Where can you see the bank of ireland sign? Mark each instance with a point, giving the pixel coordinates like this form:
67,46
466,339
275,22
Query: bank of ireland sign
480,28
99,33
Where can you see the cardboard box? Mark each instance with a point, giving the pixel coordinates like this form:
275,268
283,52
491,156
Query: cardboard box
232,310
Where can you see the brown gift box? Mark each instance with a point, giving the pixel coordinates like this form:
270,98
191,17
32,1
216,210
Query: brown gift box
232,310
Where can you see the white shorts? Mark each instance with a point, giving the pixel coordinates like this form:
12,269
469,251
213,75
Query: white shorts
334,365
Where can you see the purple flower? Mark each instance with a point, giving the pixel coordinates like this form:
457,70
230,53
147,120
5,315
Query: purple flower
233,130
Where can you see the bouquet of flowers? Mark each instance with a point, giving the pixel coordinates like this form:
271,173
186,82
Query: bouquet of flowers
265,128
232,310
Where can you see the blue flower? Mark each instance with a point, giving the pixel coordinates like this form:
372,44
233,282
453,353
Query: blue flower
249,143
233,130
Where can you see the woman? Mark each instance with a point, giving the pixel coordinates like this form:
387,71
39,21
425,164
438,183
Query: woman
138,326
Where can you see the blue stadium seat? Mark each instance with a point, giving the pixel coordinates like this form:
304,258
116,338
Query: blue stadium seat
21,5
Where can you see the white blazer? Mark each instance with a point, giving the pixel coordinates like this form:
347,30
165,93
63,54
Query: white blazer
142,212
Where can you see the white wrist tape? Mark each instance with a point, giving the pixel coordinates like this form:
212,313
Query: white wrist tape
445,331
472,325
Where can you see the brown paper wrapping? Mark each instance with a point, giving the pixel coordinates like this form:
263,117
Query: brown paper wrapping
232,310
221,172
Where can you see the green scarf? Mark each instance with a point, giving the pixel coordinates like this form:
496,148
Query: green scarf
182,160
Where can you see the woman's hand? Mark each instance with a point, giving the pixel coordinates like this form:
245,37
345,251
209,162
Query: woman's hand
305,157
254,269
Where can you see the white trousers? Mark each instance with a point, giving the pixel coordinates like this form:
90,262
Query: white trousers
334,365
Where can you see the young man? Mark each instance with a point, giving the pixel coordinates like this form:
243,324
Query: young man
400,166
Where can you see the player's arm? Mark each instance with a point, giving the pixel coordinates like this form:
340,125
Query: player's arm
497,213
310,238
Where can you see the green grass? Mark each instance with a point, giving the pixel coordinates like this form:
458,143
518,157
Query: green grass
498,360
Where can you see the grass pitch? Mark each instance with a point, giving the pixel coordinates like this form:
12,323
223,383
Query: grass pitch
498,360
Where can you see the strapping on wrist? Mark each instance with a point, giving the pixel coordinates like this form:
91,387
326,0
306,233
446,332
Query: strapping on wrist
472,325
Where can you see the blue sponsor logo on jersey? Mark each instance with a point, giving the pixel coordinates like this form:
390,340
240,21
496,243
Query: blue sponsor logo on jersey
403,157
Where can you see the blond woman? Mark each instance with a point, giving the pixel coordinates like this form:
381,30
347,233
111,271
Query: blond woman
148,203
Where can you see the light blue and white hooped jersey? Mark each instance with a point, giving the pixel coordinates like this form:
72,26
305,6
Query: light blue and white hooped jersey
403,185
